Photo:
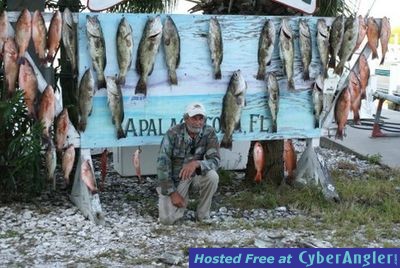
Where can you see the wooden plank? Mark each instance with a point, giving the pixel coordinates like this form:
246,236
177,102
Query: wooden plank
146,119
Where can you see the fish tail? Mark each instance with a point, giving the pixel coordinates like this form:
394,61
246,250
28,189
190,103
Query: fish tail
382,60
332,62
226,142
339,134
101,81
121,80
173,79
374,54
218,72
261,73
82,125
120,133
21,60
316,123
291,85
258,177
141,87
339,69
306,74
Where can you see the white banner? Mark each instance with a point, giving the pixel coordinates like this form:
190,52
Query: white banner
307,6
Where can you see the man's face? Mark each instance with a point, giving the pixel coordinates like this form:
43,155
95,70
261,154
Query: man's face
195,123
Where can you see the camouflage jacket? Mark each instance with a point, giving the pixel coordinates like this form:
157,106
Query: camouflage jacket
178,148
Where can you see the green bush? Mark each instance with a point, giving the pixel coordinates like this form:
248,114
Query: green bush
20,145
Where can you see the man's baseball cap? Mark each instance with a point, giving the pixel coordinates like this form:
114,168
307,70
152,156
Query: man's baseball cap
195,108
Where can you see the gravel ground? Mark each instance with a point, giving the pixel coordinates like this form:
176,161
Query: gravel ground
51,232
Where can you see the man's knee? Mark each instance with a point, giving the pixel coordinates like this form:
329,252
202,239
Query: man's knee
213,177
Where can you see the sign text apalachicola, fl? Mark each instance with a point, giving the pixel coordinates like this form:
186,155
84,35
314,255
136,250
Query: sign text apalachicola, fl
148,118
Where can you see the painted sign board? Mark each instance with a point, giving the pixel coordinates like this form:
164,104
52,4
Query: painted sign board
307,6
148,118
99,5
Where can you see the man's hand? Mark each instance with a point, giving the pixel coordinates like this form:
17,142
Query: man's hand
188,169
177,200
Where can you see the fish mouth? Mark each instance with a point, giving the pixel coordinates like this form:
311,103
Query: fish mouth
153,36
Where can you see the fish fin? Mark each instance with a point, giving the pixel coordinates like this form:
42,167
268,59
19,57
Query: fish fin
172,77
274,127
138,66
306,74
218,72
261,73
120,133
141,87
316,123
226,142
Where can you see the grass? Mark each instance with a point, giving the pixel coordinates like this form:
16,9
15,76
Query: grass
9,234
370,204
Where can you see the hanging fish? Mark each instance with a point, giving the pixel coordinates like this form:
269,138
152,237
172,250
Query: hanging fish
362,31
323,45
11,68
147,51
215,45
373,36
305,47
23,33
259,161
289,160
273,99
97,48
364,75
69,38
27,81
3,28
124,49
350,37
39,35
47,110
54,36
355,92
86,92
232,105
62,126
335,39
286,50
342,109
385,36
136,164
265,47
317,96
68,162
116,105
172,49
